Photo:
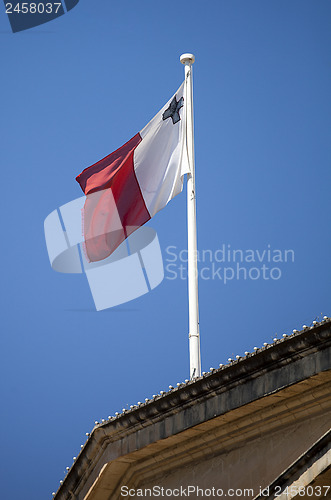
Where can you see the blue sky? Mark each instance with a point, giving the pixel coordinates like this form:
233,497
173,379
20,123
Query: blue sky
79,87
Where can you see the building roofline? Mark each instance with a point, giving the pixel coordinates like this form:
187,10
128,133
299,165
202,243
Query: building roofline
280,353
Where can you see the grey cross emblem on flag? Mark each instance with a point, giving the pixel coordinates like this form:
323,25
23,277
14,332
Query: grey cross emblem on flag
173,110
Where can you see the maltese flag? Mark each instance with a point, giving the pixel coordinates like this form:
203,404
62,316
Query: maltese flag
129,186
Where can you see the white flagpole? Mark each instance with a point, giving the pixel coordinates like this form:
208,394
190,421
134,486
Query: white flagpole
194,338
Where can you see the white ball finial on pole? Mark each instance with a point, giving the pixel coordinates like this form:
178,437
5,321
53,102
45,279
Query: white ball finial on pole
194,334
187,58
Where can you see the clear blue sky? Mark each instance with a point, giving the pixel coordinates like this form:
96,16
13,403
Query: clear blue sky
75,89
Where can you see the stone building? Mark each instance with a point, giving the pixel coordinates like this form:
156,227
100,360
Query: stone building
257,428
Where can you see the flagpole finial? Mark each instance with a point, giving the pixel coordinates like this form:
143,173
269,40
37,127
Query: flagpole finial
187,58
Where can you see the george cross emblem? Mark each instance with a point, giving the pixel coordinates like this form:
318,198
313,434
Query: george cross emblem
173,110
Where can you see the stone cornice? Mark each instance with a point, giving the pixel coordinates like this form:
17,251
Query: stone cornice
266,371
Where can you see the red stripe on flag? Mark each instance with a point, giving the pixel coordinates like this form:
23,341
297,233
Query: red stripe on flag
98,176
114,206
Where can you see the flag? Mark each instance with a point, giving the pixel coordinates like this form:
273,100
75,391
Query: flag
129,186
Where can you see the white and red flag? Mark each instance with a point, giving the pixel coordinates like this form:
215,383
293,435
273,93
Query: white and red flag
129,186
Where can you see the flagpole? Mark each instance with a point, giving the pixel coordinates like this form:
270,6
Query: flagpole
194,335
